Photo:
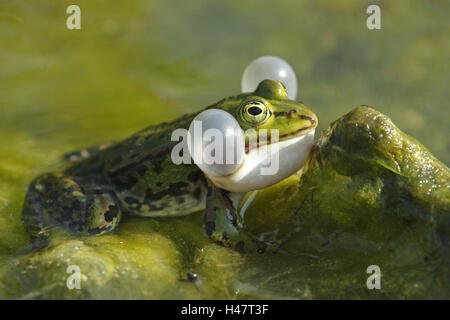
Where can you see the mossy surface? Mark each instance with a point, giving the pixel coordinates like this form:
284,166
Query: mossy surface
139,62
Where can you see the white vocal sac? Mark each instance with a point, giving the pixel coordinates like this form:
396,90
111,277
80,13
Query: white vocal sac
216,142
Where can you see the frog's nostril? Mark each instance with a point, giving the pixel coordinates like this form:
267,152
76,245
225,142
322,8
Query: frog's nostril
292,112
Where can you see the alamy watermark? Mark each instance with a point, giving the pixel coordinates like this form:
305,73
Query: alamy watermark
74,20
74,280
374,20
374,280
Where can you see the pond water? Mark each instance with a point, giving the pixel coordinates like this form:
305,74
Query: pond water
137,63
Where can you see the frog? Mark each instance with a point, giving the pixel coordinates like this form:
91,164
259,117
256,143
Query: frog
137,176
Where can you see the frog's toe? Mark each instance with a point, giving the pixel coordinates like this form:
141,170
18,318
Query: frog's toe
33,214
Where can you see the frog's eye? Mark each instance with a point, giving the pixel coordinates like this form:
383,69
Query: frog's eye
255,112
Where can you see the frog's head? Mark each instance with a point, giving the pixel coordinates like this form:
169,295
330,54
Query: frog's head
280,142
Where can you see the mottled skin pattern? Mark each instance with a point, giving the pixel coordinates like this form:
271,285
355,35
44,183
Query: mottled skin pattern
137,176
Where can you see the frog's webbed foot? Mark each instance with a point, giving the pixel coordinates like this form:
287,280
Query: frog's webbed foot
222,225
55,200
84,153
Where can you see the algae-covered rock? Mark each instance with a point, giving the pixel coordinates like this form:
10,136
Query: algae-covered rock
371,195
103,266
145,259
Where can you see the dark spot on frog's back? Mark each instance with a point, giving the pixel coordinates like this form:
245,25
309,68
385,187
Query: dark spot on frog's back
195,175
135,155
116,161
125,182
141,170
175,189
157,167
197,193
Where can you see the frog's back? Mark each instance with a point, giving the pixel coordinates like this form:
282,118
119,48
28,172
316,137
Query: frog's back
140,172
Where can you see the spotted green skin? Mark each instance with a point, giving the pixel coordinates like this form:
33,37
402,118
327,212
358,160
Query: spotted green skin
137,176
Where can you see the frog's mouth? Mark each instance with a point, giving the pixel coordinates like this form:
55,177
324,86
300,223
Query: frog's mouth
269,163
287,136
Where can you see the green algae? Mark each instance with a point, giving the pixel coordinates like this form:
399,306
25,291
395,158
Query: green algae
141,62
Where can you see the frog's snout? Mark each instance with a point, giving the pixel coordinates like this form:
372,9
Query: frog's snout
313,120
292,114
309,120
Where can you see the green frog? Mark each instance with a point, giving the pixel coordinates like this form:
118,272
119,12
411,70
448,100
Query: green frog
138,176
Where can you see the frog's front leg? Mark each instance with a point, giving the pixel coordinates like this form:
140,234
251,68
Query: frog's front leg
54,200
222,225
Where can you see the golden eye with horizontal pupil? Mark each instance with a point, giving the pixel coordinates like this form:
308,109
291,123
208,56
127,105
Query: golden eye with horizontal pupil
255,112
